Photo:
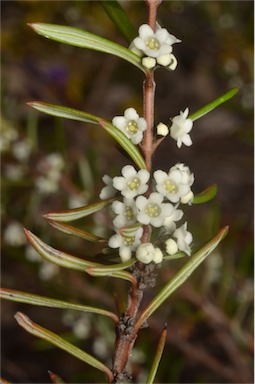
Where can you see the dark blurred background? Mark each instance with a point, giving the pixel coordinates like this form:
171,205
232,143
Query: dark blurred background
50,164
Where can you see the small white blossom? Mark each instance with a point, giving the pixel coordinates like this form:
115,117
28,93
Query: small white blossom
168,61
158,256
176,183
14,172
21,150
149,62
184,239
131,124
126,212
171,247
45,185
145,253
169,222
162,129
154,44
108,191
180,128
126,244
32,254
187,199
14,235
48,270
132,183
152,210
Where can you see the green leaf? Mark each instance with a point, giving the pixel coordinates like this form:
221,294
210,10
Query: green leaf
29,298
206,195
76,213
209,107
120,19
69,230
129,230
38,331
58,257
158,355
181,276
74,114
115,270
83,39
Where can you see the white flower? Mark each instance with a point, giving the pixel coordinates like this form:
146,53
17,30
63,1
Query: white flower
108,191
154,44
180,128
131,124
126,244
46,185
152,210
48,270
187,199
149,62
176,183
14,172
132,183
169,222
146,253
14,235
184,239
168,61
171,247
158,256
126,212
21,150
162,129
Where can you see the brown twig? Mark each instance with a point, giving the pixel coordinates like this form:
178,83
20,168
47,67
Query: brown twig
125,334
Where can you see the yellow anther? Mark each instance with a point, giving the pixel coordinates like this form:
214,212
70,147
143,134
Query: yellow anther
153,44
129,240
170,186
128,213
153,210
134,184
132,127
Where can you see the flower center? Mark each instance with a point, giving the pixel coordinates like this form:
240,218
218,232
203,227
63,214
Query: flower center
132,127
134,184
128,240
153,44
153,210
170,186
128,213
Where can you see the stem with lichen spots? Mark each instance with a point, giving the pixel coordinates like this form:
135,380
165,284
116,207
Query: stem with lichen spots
125,335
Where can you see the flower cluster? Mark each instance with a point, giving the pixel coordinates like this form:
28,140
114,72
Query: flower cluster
159,209
155,48
143,199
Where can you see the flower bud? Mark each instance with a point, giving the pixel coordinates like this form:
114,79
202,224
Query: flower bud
149,62
171,247
145,253
162,129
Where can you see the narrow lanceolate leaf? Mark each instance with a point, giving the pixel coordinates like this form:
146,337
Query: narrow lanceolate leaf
76,213
129,230
74,114
58,257
209,107
111,271
181,276
69,230
38,331
83,39
29,298
206,195
119,17
157,358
